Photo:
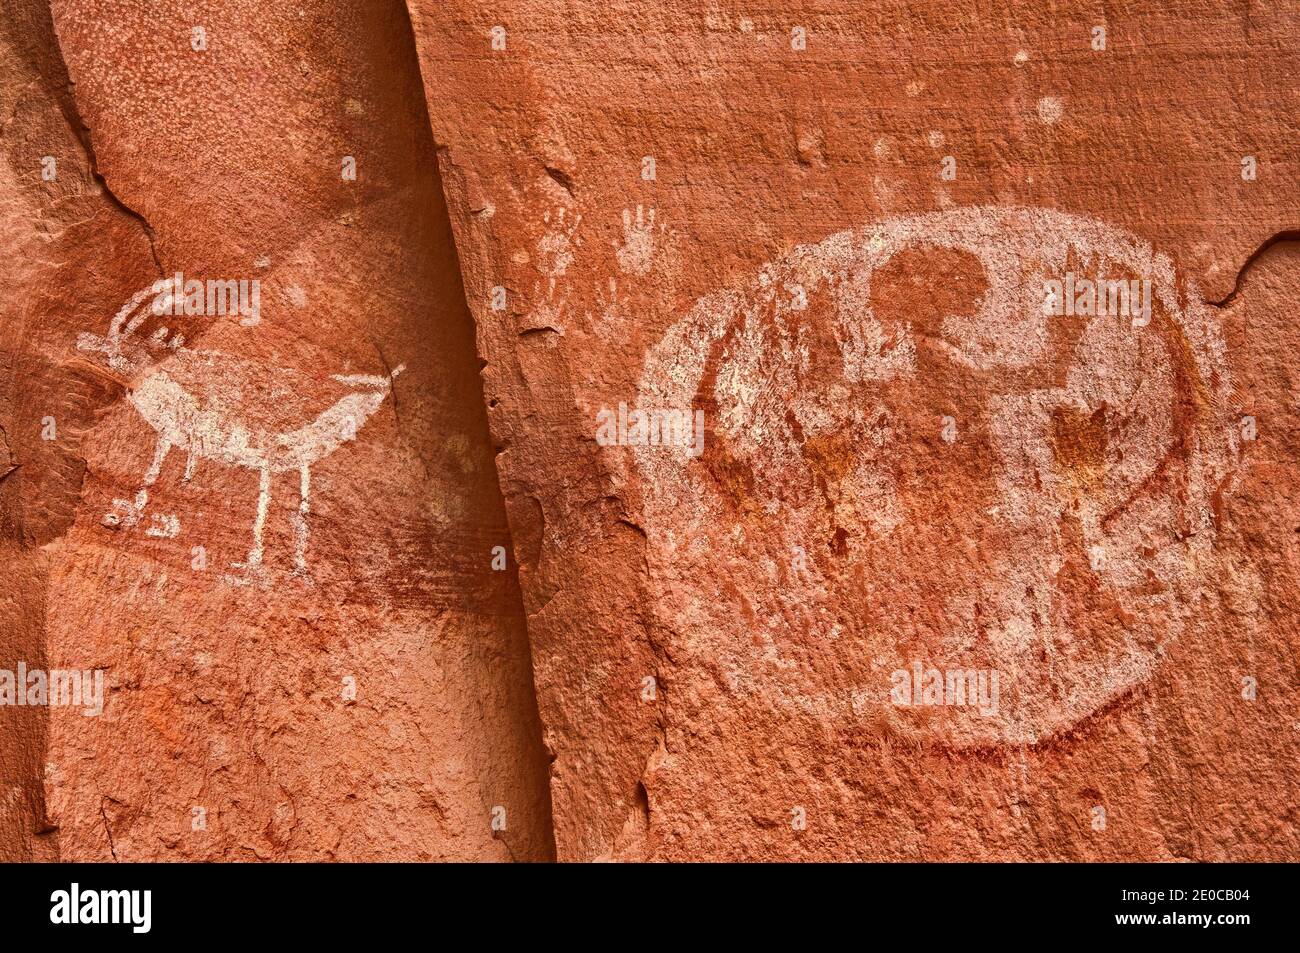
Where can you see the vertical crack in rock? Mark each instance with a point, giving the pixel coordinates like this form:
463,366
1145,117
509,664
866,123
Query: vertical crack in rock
589,616
84,132
108,830
67,102
77,124
493,477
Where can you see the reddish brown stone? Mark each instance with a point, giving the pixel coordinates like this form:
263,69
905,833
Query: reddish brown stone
229,678
830,231
840,259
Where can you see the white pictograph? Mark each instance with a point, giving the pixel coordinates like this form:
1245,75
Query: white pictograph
207,430
1083,436
636,253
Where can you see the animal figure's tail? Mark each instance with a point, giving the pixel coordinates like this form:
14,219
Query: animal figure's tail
338,423
370,381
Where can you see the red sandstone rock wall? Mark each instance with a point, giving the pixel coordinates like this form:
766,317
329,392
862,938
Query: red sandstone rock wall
365,690
482,236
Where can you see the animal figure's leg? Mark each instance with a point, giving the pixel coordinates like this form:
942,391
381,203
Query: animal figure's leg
128,512
300,523
263,501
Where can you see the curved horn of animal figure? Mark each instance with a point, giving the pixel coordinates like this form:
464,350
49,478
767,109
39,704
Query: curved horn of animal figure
119,328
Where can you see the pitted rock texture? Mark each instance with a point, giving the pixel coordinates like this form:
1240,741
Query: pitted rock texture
279,542
923,562
828,229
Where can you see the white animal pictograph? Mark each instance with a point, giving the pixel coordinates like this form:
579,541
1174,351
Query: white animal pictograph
204,429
